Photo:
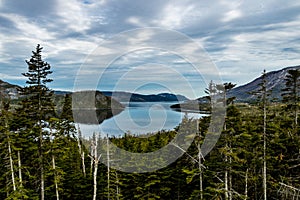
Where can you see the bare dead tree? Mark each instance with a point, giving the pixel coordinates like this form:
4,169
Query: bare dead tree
80,150
95,158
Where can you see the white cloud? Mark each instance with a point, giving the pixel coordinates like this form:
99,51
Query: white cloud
174,15
231,15
140,39
28,28
135,21
74,15
240,36
11,77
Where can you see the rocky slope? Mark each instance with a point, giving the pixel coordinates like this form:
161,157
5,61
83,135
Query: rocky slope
9,90
275,82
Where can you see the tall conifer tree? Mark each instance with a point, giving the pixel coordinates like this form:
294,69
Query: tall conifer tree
37,106
291,91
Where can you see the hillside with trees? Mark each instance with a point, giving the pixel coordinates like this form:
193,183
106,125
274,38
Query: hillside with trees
43,154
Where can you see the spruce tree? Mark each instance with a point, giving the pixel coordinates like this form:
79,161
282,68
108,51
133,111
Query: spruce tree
36,108
291,91
67,113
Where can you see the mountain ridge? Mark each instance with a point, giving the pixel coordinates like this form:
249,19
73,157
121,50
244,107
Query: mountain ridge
135,97
12,91
275,83
9,90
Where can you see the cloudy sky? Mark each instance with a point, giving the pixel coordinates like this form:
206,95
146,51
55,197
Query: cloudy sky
241,38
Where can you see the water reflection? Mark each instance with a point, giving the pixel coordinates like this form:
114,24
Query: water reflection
137,118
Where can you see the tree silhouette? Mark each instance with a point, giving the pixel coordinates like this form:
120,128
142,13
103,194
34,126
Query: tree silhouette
290,93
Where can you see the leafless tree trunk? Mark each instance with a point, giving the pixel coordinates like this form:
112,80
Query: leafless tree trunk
200,166
42,178
11,165
54,166
95,179
226,182
226,170
264,96
83,164
92,164
227,176
55,178
41,157
81,152
265,163
95,159
246,185
200,156
108,170
20,169
296,117
230,175
10,157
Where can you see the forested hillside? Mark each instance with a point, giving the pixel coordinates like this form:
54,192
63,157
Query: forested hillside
43,154
132,97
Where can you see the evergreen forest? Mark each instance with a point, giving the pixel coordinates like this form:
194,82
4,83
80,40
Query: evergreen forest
44,156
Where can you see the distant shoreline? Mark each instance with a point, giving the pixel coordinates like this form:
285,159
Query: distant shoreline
191,111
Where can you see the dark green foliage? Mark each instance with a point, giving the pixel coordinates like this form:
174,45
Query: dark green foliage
33,130
67,113
291,93
38,103
180,179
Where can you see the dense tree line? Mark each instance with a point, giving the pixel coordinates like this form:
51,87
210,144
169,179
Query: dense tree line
43,154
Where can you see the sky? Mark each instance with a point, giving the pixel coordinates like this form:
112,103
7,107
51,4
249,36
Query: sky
125,45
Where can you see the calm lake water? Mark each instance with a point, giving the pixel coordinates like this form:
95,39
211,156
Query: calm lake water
139,118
